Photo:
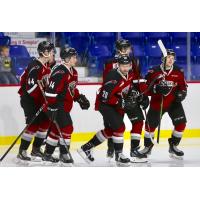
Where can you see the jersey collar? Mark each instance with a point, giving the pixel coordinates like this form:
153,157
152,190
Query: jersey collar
164,72
70,69
124,77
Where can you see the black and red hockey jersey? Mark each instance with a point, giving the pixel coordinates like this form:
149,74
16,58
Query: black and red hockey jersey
117,86
62,91
174,76
28,82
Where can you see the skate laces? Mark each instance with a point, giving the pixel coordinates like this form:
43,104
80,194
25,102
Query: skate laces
145,150
24,153
90,153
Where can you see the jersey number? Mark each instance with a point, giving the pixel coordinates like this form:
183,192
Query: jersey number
52,84
105,94
31,81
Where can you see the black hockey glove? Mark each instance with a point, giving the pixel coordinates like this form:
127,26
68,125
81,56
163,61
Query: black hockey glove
128,103
143,101
83,102
180,95
163,88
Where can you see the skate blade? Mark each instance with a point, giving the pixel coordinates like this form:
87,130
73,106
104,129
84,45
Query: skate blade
20,162
119,164
175,157
82,154
50,164
36,159
66,164
138,160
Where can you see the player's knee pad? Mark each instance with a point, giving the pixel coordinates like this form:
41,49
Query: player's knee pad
32,129
149,128
67,131
108,132
52,140
137,127
180,127
44,125
101,135
119,132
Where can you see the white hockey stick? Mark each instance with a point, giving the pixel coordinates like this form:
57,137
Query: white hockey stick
164,52
162,48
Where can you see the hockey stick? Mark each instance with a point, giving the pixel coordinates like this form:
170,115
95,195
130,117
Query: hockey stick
35,116
159,125
164,52
151,138
54,121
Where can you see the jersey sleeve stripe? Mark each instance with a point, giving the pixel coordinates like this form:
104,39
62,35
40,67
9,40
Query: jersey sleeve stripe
140,81
32,89
50,94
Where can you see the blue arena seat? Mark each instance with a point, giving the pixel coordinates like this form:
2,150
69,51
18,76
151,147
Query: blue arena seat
98,54
1,34
4,41
195,72
137,38
138,50
153,37
179,38
19,51
20,64
153,54
104,38
99,51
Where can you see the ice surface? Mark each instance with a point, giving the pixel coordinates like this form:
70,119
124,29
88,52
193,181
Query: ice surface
159,158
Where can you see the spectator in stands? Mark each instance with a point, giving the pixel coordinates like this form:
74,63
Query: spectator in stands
6,75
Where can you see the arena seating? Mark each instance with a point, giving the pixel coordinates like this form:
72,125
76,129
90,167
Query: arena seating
95,47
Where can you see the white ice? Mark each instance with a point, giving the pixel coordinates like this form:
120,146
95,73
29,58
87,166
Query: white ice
159,158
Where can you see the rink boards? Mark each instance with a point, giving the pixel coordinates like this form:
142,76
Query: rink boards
86,123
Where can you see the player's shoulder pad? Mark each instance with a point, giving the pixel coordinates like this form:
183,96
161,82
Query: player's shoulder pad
178,68
59,70
113,75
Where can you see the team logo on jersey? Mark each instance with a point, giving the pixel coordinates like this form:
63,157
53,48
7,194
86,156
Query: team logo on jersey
71,88
125,91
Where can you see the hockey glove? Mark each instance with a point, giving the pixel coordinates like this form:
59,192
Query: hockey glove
180,95
163,88
127,104
144,102
83,102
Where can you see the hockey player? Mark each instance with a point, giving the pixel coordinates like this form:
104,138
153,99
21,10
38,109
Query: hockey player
168,93
60,94
123,47
115,97
31,101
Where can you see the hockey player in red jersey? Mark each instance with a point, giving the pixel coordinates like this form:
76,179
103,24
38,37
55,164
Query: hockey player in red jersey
60,94
116,96
32,100
168,93
124,47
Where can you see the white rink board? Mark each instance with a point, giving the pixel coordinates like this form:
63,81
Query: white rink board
12,119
